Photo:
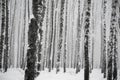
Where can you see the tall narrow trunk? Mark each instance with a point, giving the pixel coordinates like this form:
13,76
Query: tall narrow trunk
6,39
3,26
65,35
54,39
112,55
60,35
51,35
54,34
86,44
115,38
46,39
103,60
78,39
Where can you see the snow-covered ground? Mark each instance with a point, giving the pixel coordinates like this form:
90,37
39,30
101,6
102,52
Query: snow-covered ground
12,74
18,74
69,75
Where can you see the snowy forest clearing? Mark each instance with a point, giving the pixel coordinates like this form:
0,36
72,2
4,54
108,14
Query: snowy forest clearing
18,74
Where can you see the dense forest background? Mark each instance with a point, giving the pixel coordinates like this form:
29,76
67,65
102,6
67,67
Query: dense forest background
79,34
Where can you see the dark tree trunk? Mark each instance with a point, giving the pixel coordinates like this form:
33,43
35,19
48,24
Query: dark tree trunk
115,39
112,57
35,41
86,44
109,67
39,11
30,72
6,39
3,26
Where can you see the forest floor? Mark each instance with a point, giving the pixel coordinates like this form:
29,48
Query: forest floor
18,74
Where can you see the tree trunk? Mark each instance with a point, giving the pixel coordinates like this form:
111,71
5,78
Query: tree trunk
30,72
6,40
4,37
60,35
78,39
103,41
86,44
65,36
35,41
112,55
51,35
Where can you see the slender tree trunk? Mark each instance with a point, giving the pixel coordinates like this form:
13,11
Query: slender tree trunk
78,39
86,44
46,39
2,40
60,35
115,38
6,39
103,60
51,35
65,41
109,74
54,34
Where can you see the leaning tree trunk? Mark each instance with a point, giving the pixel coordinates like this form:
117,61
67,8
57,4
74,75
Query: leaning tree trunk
86,44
